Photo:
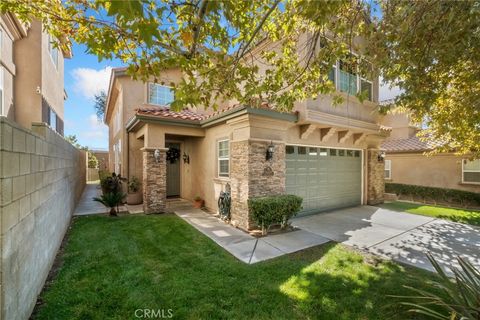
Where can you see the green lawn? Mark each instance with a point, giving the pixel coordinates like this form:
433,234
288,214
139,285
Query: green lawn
458,215
113,266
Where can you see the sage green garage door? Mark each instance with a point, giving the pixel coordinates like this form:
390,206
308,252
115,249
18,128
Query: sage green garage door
325,178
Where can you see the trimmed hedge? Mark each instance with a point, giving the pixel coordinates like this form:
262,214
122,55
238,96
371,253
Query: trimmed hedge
463,198
267,211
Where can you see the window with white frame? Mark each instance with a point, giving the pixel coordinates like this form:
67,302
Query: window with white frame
52,119
348,75
366,83
2,111
160,95
388,169
53,51
223,158
471,171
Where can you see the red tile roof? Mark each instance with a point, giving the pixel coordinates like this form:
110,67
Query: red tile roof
165,112
412,144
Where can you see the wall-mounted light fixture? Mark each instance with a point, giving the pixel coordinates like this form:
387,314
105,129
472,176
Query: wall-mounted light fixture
156,155
186,158
270,150
381,156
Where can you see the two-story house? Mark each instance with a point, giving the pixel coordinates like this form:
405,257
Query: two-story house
407,162
31,74
327,154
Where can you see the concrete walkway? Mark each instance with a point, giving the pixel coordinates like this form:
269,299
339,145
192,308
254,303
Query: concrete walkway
242,245
399,236
86,205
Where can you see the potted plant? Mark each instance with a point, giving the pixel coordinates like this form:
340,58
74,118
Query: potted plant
197,202
134,196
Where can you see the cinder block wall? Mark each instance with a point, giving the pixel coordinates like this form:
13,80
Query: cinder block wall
42,177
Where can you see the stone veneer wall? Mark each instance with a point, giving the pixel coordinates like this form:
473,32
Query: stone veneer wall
375,178
251,175
154,181
42,178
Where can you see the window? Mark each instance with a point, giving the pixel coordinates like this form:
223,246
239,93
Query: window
312,151
223,158
348,76
388,169
53,51
333,152
2,111
117,149
471,171
323,152
160,95
52,119
341,153
332,74
366,84
302,150
290,149
349,153
357,154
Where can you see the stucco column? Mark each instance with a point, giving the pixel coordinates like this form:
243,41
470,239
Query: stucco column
375,177
154,180
252,175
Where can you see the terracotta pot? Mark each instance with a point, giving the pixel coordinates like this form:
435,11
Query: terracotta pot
198,204
134,198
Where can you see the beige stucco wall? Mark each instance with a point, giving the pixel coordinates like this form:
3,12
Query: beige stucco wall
6,63
402,128
38,168
35,69
441,171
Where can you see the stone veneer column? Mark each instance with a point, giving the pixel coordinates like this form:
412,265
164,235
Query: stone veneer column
375,178
154,181
251,175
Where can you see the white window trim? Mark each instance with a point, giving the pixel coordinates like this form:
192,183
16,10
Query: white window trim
389,169
50,51
148,93
463,171
2,90
223,158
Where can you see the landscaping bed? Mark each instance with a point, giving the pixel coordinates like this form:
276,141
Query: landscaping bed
111,267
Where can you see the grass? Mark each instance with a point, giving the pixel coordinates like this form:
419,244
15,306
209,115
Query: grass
111,267
458,215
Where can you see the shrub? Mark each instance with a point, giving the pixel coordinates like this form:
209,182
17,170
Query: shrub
92,160
449,299
267,211
133,184
112,183
463,198
111,200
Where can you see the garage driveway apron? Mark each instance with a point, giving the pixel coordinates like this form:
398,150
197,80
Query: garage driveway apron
397,235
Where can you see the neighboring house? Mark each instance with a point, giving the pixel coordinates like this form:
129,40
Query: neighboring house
328,155
31,74
102,157
406,162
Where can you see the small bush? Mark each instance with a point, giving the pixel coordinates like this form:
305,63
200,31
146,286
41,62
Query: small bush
267,211
133,184
111,184
459,197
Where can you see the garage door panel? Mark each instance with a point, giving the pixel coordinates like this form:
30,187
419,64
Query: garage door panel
325,181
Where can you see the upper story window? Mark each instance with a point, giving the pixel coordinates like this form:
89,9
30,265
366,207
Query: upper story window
223,158
471,171
160,95
388,169
53,51
353,77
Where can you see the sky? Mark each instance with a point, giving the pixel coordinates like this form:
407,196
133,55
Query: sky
85,77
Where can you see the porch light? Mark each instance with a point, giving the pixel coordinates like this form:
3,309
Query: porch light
381,156
186,158
156,155
270,150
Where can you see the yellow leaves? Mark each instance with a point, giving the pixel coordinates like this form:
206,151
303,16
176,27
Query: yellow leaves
187,37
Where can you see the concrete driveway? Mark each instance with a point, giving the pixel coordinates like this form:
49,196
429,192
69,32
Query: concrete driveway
400,236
